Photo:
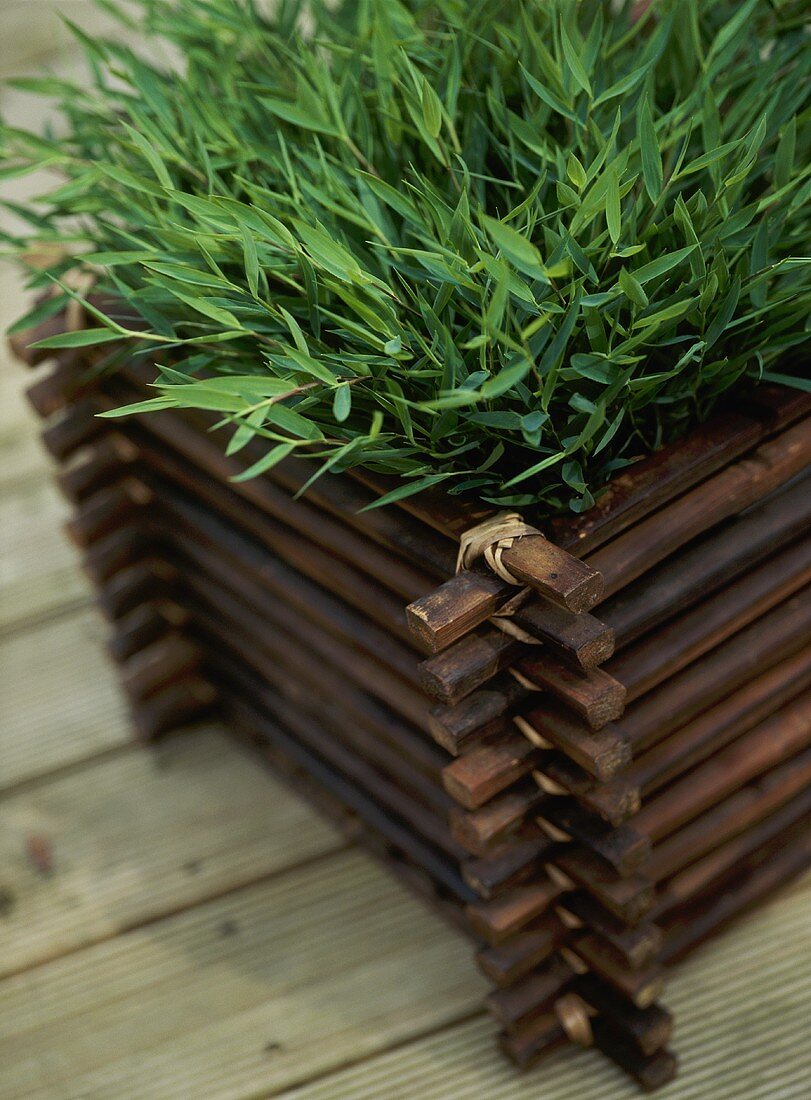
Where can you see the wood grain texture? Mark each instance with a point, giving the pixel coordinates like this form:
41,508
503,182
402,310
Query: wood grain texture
742,1032
241,997
141,835
60,702
38,566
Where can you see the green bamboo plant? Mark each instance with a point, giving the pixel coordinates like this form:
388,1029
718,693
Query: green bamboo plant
501,246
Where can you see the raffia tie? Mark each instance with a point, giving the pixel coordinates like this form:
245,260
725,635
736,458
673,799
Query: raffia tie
575,1018
490,539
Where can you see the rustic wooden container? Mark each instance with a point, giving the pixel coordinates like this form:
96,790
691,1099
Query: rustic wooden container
589,767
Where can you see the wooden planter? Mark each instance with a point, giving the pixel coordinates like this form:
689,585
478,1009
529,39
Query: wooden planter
589,767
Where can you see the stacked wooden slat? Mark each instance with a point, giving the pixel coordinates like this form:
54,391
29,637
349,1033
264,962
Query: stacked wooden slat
589,767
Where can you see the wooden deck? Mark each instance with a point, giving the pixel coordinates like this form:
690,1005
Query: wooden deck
175,923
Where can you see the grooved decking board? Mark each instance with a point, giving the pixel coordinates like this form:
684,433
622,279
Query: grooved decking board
59,697
21,454
238,997
142,835
39,571
742,1009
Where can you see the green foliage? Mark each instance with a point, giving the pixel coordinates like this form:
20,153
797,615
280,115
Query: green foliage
501,245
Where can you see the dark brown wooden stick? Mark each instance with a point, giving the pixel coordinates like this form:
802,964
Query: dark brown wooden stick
353,660
641,986
69,377
461,727
461,668
622,848
516,863
773,405
603,753
204,535
727,493
486,771
779,862
183,700
643,666
527,998
466,600
582,639
321,677
650,1072
116,551
649,1028
279,746
507,962
537,1039
482,829
553,573
525,950
96,465
638,945
773,638
337,742
715,728
614,801
144,625
655,480
160,663
596,696
779,737
255,637
72,428
706,873
780,632
499,918
742,813
705,566
628,898
108,509
464,604
148,579
667,590
459,605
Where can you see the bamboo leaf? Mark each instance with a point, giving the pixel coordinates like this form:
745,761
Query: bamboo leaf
84,338
613,215
632,288
649,148
342,402
573,61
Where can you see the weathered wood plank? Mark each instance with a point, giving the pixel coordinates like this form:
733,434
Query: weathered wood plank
241,997
38,567
59,698
742,1032
21,455
137,836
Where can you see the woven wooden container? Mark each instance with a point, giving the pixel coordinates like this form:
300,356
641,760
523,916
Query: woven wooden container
585,740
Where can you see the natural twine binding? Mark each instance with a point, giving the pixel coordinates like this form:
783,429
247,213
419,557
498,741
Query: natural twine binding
558,877
490,539
575,1018
549,785
568,918
552,831
523,680
574,961
531,733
